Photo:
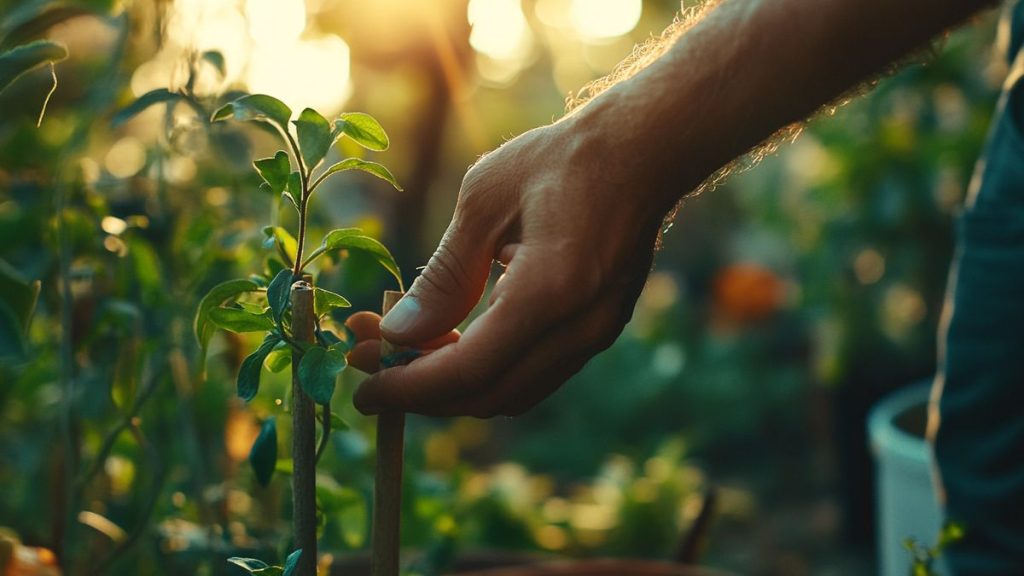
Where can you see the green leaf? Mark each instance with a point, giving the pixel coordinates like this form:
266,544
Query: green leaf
148,271
353,520
337,423
274,171
36,22
284,239
151,98
256,107
291,562
314,137
331,340
253,308
295,185
238,321
256,567
217,295
24,58
347,507
285,466
278,359
324,301
378,170
213,299
286,195
273,266
12,337
951,532
279,293
263,456
19,293
250,565
216,59
354,239
252,366
332,497
363,129
318,370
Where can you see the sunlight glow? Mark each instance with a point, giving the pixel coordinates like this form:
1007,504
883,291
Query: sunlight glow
500,30
273,21
266,49
309,72
125,157
599,20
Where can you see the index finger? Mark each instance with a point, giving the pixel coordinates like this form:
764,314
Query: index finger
446,382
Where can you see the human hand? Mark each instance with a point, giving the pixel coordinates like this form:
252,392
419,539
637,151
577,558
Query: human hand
575,229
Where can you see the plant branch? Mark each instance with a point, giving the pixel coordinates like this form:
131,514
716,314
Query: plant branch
304,177
313,256
299,266
316,183
96,101
128,422
159,473
325,421
298,158
46,101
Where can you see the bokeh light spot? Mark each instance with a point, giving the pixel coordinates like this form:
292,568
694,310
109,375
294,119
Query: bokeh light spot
599,20
125,158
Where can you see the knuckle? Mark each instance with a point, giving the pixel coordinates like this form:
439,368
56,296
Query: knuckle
557,284
474,194
562,281
571,277
445,272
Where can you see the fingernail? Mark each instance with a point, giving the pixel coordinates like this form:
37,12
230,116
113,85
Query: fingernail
401,318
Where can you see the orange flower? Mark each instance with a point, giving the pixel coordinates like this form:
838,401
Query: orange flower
19,560
746,293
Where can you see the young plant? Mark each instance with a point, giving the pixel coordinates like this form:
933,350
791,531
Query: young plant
923,557
260,568
284,303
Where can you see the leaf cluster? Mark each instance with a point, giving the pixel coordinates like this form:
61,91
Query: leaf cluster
262,303
313,138
261,568
923,557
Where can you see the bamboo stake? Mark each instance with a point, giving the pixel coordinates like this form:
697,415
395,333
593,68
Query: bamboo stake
303,437
387,492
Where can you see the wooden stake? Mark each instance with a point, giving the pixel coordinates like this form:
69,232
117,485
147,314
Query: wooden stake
303,437
387,492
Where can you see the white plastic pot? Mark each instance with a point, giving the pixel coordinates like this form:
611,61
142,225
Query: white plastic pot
905,494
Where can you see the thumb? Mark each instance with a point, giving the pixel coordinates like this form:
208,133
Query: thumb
446,291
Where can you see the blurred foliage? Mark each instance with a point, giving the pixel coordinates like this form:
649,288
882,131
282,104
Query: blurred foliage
818,272
923,558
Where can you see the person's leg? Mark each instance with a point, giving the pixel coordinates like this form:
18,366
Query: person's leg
979,438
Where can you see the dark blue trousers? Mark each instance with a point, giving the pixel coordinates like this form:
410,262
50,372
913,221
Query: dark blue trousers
979,438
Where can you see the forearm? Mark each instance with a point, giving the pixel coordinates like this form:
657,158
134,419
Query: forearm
745,70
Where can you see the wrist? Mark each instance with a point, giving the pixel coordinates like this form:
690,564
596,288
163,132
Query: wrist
612,133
